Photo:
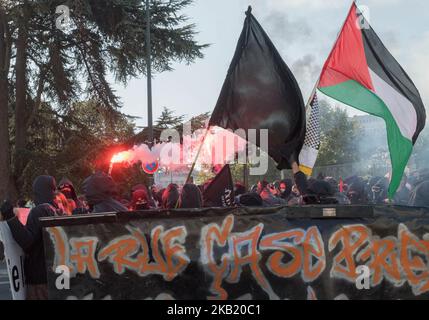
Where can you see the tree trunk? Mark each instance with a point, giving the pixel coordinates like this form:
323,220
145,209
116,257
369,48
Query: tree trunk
5,51
21,94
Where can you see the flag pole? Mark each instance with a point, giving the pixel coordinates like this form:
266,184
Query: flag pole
149,73
193,164
197,156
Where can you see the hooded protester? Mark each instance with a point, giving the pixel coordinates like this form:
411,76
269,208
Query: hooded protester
150,195
170,197
29,237
190,197
357,192
333,183
140,200
99,190
340,196
66,187
378,191
420,195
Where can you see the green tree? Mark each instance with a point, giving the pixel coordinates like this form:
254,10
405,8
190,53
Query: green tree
200,121
339,134
56,67
5,57
168,120
74,145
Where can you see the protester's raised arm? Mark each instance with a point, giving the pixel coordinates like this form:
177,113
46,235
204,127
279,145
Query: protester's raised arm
300,179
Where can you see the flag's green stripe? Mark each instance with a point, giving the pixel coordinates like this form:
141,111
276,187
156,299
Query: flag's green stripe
355,95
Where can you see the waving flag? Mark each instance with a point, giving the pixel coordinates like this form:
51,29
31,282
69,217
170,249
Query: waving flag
361,73
260,92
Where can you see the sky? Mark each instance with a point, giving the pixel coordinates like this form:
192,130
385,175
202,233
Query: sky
303,31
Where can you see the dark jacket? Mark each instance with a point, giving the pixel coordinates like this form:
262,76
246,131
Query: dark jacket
190,197
99,190
29,237
251,199
357,192
140,200
170,197
319,192
150,196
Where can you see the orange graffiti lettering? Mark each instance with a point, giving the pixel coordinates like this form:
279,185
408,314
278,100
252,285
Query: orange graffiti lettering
83,255
313,247
277,242
210,234
414,267
174,252
119,252
352,238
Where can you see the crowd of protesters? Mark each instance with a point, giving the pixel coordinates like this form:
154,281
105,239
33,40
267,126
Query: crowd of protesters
99,195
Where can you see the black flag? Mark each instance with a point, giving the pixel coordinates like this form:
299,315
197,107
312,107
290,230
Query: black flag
220,192
260,92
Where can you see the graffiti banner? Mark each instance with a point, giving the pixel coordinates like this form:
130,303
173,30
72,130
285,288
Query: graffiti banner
350,252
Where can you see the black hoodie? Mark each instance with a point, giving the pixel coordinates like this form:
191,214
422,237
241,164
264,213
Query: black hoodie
29,237
170,197
99,190
190,197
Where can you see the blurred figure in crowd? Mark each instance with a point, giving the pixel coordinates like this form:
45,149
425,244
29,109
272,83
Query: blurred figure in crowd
190,197
170,197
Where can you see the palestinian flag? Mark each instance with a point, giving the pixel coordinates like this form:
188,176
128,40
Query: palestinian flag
361,73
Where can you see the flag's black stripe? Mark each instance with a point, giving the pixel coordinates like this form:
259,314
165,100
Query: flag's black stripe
381,61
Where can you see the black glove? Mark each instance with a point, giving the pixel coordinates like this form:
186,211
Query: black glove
7,210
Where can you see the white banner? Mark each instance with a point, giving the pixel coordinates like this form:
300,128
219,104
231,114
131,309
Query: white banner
14,256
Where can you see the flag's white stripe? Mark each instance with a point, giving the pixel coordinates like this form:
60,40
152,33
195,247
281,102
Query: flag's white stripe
401,108
308,156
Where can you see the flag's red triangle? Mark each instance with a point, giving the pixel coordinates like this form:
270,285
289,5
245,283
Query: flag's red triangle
347,60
